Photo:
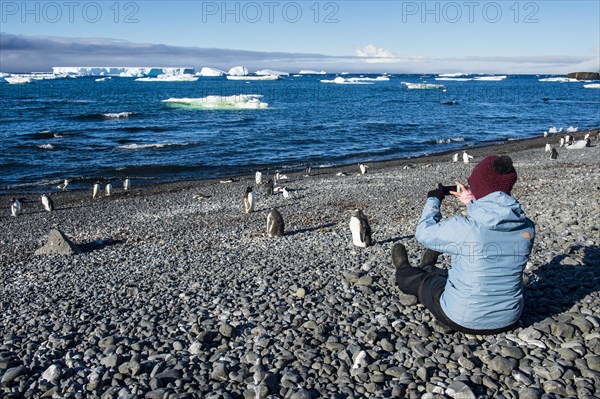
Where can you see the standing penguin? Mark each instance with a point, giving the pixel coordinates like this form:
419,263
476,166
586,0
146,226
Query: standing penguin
363,168
96,190
258,178
15,208
108,189
562,142
455,157
307,171
361,231
275,225
126,184
466,157
248,200
47,203
270,187
548,147
554,153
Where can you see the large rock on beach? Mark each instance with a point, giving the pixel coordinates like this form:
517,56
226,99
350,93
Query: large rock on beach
58,244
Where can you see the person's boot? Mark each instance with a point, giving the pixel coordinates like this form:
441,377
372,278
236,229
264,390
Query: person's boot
399,257
429,258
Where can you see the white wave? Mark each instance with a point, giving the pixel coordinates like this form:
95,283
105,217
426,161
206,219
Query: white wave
240,101
104,79
592,86
450,140
341,81
491,78
118,115
455,79
153,145
46,147
559,79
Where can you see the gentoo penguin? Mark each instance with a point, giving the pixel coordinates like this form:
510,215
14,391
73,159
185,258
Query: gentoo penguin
64,185
571,138
47,203
466,157
275,225
15,208
554,154
361,231
126,184
248,200
455,157
307,171
561,142
363,168
258,178
96,190
108,189
568,140
270,187
548,147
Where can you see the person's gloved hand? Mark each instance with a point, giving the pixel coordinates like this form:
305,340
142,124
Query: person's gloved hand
463,194
437,193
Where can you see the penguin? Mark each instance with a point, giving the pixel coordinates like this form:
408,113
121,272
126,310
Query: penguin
108,189
588,142
561,142
275,224
545,134
571,139
280,176
285,192
258,178
548,147
63,186
598,136
554,154
96,190
248,200
126,184
47,202
363,168
361,231
307,171
270,187
568,140
466,157
455,157
341,174
226,181
587,136
15,208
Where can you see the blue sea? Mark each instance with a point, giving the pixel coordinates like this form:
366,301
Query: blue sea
85,130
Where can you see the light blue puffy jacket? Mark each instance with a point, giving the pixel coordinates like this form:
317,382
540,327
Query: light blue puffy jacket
489,251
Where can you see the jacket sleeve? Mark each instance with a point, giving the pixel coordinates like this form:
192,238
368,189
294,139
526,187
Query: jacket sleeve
446,236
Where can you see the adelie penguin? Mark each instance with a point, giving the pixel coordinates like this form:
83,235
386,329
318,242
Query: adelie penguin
15,208
554,153
275,224
361,231
108,189
248,200
47,203
548,147
126,184
96,190
363,168
258,178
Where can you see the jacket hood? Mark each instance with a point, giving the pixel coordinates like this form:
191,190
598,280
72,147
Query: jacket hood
498,211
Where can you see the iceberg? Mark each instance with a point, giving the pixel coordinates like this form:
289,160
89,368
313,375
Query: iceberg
492,78
240,101
341,81
19,79
206,71
455,79
170,78
132,72
423,86
266,72
238,71
452,75
253,77
559,79
592,86
309,72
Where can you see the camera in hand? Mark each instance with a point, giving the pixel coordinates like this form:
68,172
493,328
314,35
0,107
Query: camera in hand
446,189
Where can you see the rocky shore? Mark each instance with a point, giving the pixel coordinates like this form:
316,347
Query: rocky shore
176,293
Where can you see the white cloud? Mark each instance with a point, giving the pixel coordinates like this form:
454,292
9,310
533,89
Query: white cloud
374,54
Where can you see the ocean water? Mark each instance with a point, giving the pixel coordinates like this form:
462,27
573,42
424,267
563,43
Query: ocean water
85,130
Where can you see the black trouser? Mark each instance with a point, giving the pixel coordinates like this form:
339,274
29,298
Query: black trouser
427,282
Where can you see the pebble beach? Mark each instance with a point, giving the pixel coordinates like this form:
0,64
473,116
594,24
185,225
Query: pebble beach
178,294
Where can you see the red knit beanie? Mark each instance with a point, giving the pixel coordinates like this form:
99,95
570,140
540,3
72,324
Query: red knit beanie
492,174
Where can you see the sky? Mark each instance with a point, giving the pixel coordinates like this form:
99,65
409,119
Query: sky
539,37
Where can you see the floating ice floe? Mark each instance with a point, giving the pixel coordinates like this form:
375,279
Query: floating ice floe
252,77
118,115
46,147
452,75
492,78
309,72
206,71
454,79
423,86
558,79
592,86
238,71
240,101
266,72
342,81
104,79
19,79
170,78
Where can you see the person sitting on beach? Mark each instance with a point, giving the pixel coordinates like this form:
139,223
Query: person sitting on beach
482,292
